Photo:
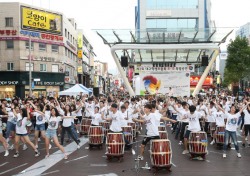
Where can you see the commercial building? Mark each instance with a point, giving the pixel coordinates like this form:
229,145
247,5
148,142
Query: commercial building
243,31
53,50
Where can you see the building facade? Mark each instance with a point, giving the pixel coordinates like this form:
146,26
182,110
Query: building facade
53,51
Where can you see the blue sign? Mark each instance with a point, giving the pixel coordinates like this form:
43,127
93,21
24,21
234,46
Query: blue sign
32,85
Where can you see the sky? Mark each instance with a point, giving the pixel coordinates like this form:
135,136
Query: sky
120,14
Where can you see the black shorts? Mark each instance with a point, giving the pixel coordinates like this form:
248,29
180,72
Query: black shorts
147,139
78,118
247,129
187,134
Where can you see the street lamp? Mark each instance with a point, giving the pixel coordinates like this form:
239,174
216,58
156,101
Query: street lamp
30,73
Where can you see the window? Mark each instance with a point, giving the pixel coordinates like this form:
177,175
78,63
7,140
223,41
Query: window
55,48
66,33
10,44
43,67
66,52
27,45
9,22
42,47
55,68
27,66
10,66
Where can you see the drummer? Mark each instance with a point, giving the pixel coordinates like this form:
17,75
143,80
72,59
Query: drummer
193,126
116,117
151,126
96,117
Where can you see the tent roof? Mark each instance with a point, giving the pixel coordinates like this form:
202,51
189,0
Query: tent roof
75,90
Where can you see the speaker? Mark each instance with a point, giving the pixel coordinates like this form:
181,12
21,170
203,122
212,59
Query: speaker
96,91
124,61
204,60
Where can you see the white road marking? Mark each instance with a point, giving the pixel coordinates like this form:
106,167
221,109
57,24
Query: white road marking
174,165
101,165
4,164
52,172
52,159
215,152
110,174
76,159
208,161
4,172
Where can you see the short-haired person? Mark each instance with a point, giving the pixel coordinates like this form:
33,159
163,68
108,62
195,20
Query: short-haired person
194,125
116,117
151,122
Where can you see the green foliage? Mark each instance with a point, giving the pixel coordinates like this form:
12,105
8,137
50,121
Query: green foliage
238,61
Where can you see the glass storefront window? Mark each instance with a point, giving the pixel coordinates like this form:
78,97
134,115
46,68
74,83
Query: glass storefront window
171,23
171,4
44,91
7,91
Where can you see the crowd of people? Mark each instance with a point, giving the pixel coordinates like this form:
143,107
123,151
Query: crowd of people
50,117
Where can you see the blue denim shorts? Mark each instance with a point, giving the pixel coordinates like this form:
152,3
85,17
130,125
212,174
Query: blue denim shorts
50,133
40,127
11,126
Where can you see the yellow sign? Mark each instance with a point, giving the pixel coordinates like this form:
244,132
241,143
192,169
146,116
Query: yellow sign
79,41
79,54
79,69
38,20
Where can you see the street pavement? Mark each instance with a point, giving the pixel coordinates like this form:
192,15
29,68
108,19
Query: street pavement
86,162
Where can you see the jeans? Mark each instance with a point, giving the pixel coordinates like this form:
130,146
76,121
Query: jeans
10,127
231,134
69,131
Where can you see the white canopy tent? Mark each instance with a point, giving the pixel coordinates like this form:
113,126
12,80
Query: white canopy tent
76,90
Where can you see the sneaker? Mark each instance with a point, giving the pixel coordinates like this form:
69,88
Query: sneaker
200,158
185,152
212,143
180,143
50,146
224,155
25,147
39,139
78,146
238,155
16,155
37,153
140,158
11,147
77,131
47,156
65,156
243,145
6,153
36,146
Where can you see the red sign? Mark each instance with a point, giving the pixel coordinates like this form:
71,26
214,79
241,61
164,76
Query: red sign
8,32
51,37
116,82
195,79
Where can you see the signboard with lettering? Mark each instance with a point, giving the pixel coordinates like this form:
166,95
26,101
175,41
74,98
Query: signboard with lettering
9,82
39,20
8,32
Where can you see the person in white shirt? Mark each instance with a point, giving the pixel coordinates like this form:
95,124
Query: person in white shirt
96,117
151,122
2,139
78,114
246,128
89,107
23,116
116,117
193,126
219,120
124,113
231,127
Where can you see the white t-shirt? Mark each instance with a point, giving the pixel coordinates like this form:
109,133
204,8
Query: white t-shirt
40,119
96,118
47,114
21,125
219,118
11,117
67,121
124,122
247,117
89,108
151,125
183,115
157,118
78,113
202,109
232,120
116,125
53,122
211,118
194,123
179,109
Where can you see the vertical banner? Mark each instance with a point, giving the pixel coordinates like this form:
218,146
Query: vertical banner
174,83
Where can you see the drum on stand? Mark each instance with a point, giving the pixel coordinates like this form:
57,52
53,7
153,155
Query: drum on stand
115,145
163,134
85,124
134,127
95,135
128,133
105,126
160,153
219,135
198,144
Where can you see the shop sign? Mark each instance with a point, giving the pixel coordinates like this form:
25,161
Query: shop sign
45,83
9,82
79,41
51,37
42,35
79,69
29,33
71,45
79,54
8,32
40,20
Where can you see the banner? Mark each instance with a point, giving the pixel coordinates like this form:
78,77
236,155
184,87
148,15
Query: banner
167,83
39,20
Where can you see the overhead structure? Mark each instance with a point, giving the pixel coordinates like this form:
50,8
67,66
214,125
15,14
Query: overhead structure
165,46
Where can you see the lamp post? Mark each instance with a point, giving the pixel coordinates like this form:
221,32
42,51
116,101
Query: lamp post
30,73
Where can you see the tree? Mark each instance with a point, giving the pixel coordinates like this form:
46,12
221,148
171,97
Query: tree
238,61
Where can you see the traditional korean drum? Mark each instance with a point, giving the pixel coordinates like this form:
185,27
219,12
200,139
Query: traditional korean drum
95,135
198,143
115,144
